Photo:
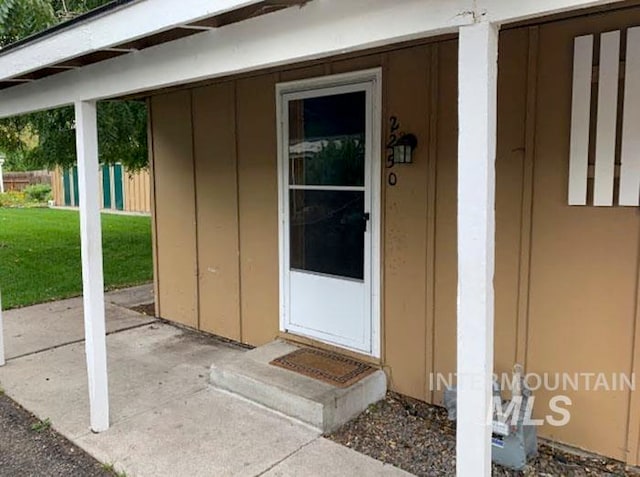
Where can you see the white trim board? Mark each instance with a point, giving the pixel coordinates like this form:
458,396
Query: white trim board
502,11
321,28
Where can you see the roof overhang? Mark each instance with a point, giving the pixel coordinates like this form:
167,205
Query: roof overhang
118,28
237,43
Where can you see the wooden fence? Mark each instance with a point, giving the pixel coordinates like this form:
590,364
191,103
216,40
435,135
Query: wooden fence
119,189
17,181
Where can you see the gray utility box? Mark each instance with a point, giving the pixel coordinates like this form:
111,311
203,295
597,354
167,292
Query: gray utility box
512,445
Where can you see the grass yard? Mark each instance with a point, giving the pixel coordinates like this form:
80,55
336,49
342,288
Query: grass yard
40,254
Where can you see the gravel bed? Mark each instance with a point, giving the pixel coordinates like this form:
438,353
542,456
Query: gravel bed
419,438
37,451
148,309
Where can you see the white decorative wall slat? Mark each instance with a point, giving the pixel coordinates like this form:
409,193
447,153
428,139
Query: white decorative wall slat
607,117
580,115
605,170
630,156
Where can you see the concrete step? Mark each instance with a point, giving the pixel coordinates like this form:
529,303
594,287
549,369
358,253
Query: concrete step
318,404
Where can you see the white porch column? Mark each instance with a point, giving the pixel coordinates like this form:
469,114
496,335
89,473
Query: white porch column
2,356
92,277
1,176
477,82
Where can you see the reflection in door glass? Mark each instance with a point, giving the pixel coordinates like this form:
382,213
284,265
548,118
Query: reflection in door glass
327,140
327,232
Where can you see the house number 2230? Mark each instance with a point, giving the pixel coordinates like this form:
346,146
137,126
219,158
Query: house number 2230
394,126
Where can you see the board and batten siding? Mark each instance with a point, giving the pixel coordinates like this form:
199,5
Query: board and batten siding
217,209
566,282
584,267
174,209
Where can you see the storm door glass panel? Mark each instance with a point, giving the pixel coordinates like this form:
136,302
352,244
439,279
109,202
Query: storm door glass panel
326,147
327,232
327,140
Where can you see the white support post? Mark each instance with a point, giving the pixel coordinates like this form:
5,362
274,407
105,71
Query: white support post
92,277
1,174
2,355
477,104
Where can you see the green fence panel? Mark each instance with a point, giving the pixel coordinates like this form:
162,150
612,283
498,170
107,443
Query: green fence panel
118,186
66,185
106,187
76,191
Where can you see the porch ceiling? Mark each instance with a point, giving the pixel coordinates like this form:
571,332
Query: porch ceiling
145,45
83,40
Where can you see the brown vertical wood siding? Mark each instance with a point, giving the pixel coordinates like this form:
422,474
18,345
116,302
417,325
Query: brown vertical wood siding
217,209
175,208
583,282
257,207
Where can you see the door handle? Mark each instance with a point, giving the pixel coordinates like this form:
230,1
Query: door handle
365,220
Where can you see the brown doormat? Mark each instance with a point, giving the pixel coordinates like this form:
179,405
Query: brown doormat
325,366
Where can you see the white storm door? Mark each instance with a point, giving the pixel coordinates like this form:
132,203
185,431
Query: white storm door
326,205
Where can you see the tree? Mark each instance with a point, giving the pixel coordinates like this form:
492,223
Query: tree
21,18
46,139
67,9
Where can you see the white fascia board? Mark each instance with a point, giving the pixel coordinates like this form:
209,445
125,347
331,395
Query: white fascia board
126,23
503,11
319,29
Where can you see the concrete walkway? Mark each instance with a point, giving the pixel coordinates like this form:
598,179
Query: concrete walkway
165,419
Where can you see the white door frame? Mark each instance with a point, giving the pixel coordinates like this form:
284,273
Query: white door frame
374,121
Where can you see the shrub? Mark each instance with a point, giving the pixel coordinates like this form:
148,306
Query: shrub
38,192
12,199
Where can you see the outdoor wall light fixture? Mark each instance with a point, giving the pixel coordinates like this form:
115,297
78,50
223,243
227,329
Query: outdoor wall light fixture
403,149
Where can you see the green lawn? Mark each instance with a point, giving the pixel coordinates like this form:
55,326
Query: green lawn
40,254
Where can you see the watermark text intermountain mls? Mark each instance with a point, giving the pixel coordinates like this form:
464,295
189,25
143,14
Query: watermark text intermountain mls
579,381
521,387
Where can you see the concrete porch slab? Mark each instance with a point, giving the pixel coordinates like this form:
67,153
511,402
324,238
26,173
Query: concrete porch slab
206,434
132,296
147,366
320,452
318,404
49,325
165,418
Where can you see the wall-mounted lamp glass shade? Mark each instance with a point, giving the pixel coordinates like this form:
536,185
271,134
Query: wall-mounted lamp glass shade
403,149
